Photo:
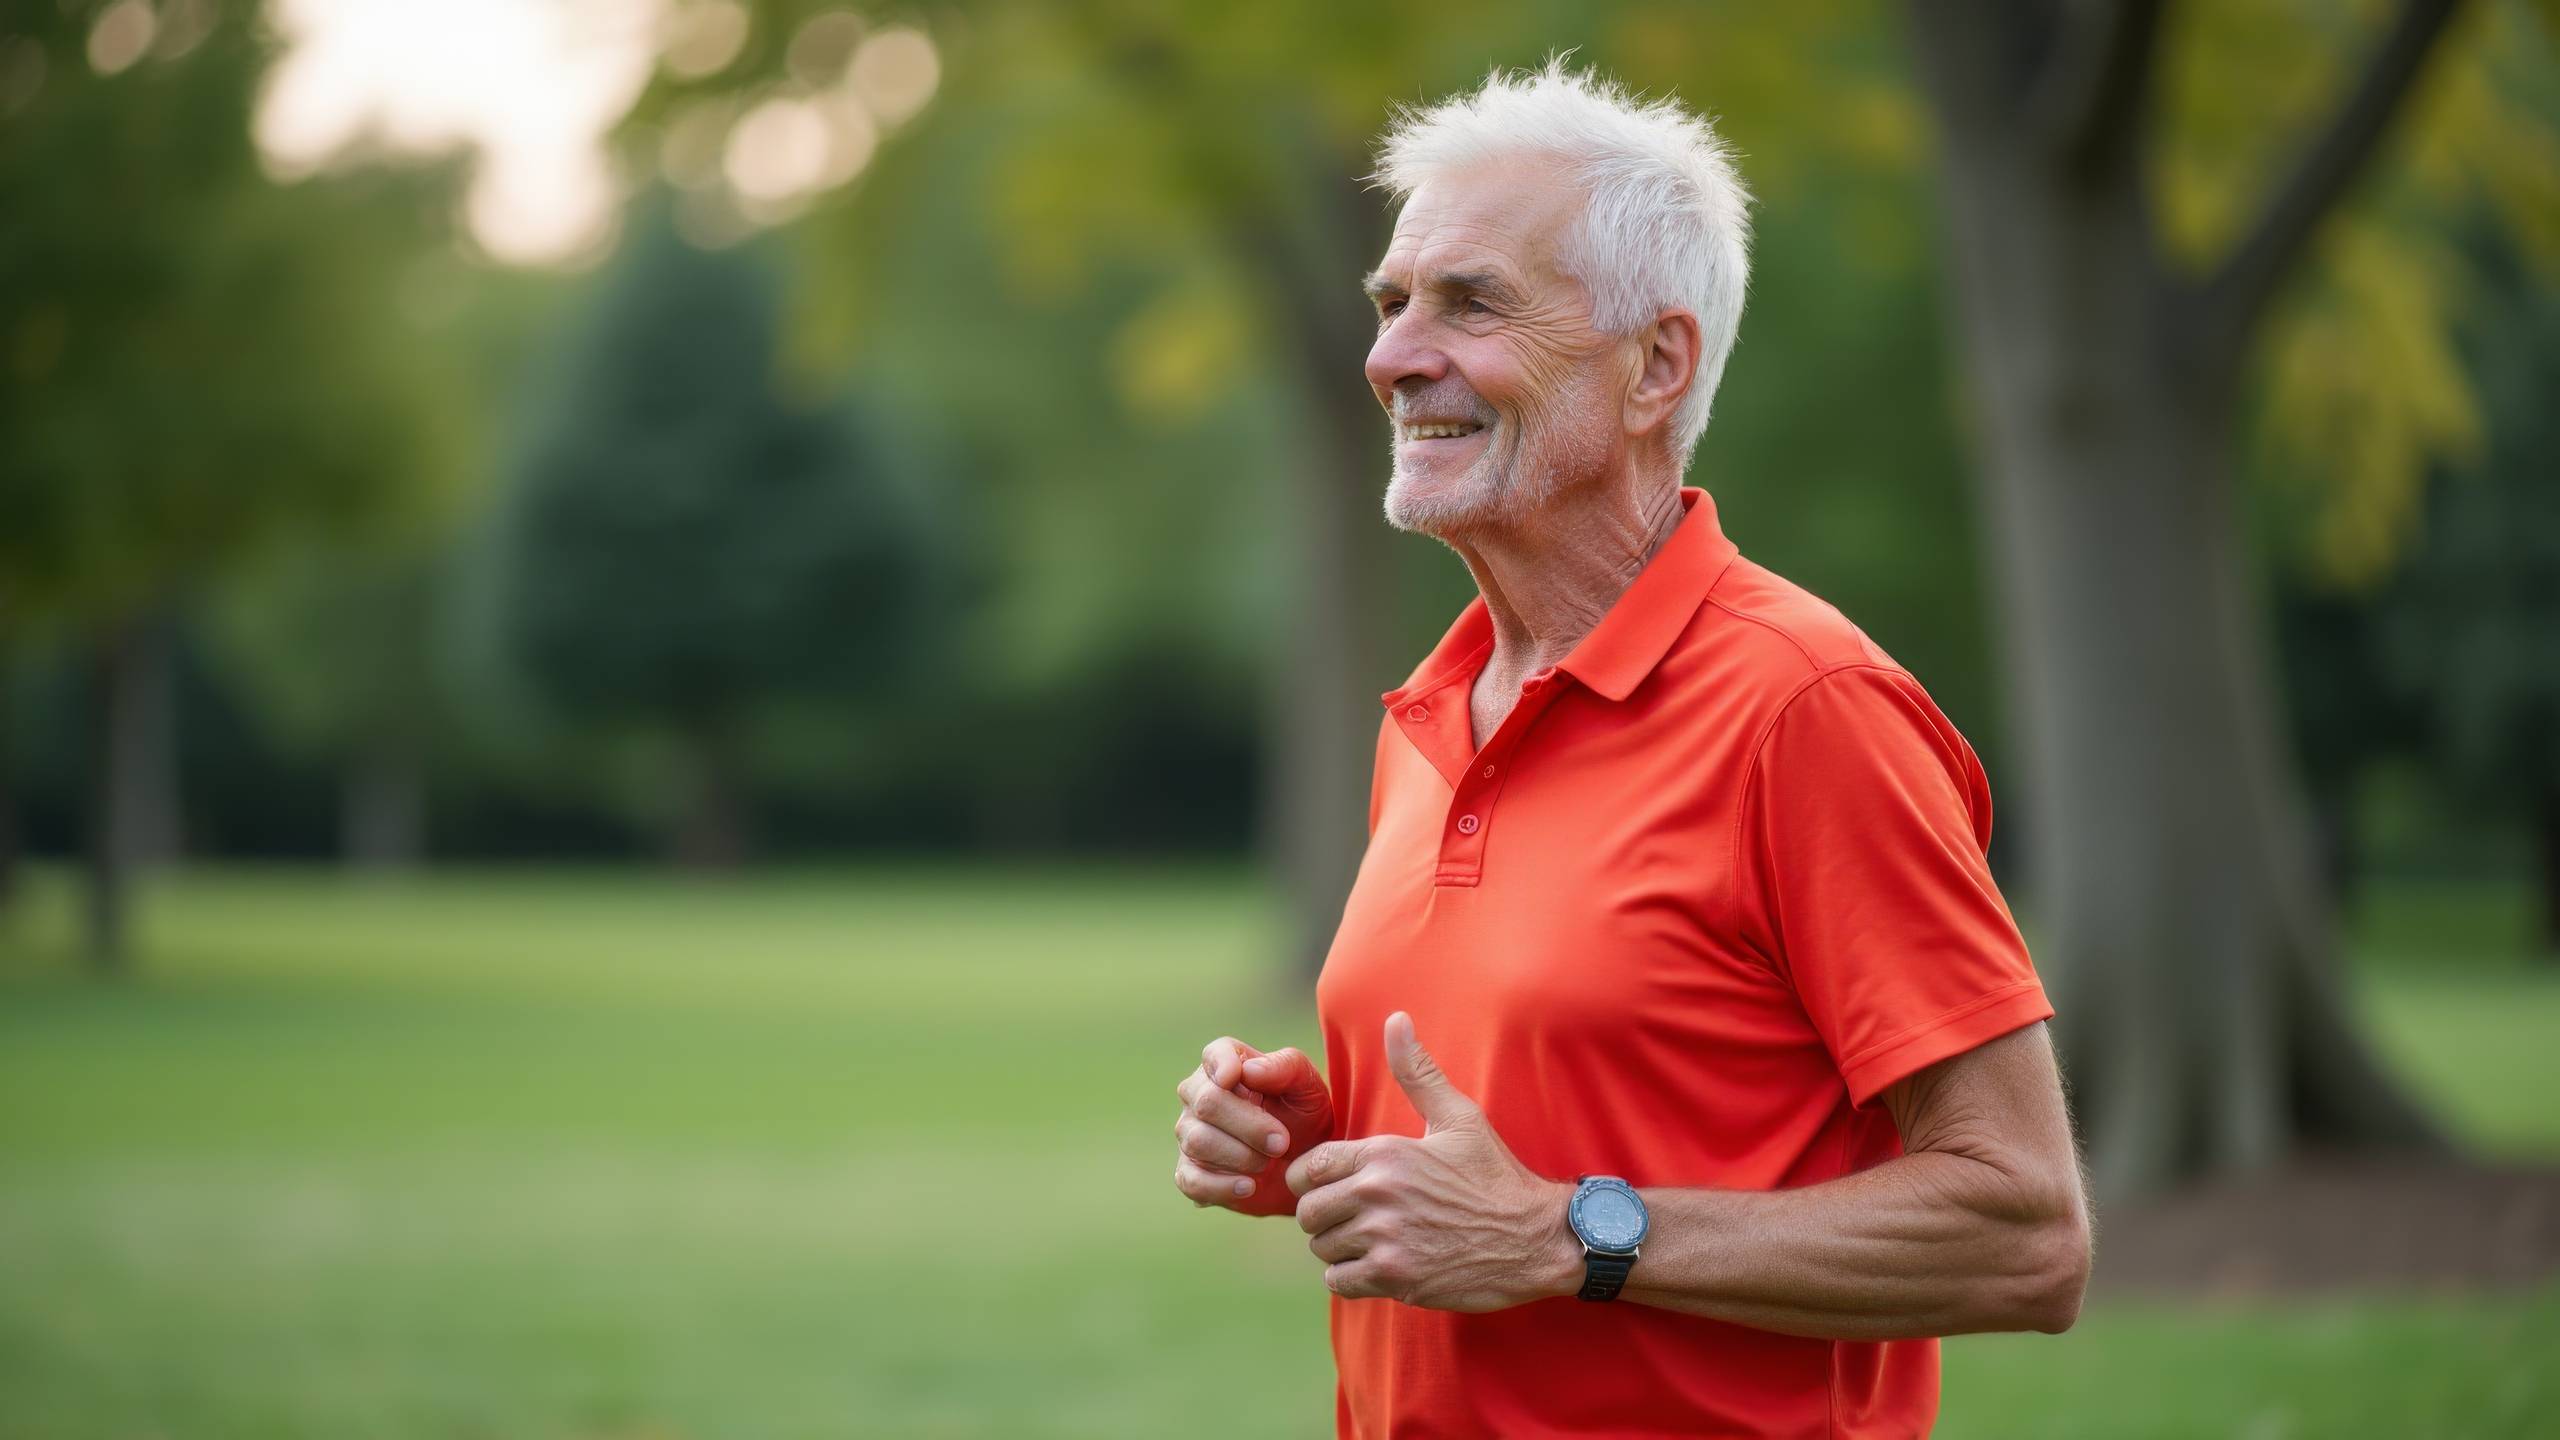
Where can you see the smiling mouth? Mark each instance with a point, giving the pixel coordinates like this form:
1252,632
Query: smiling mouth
1459,431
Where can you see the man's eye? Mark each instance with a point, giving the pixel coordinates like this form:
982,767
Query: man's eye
1388,308
1478,307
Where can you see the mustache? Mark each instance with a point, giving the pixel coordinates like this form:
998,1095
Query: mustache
1441,402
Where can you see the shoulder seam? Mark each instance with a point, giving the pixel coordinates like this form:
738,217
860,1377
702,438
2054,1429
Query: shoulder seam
1772,626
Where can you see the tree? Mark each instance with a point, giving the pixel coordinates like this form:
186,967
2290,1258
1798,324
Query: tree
2470,632
2183,920
197,358
333,642
330,640
678,542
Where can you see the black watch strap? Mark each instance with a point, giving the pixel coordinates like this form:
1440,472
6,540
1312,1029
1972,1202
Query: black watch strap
1604,1274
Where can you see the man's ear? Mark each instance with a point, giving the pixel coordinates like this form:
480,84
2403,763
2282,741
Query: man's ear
1668,366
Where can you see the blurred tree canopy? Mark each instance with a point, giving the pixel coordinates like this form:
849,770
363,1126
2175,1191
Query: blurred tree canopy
196,357
678,542
2469,630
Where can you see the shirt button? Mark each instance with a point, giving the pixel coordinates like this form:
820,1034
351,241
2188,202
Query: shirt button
1468,824
1532,687
1488,772
1418,712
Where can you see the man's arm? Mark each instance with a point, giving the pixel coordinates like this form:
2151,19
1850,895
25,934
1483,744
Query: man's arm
1981,1224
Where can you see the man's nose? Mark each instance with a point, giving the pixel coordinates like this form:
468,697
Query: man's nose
1403,352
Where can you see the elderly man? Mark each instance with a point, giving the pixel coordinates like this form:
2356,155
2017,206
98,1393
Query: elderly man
1737,1087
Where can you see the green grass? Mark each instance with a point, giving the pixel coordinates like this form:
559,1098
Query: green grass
590,1155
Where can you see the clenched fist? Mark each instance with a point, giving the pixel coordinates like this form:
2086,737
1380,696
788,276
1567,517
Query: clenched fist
1243,1113
1452,1221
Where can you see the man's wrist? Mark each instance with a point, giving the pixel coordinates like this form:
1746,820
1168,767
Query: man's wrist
1559,1272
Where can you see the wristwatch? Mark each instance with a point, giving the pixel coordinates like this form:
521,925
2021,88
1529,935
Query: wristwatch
1609,1218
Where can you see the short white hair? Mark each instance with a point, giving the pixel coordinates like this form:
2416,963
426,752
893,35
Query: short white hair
1665,222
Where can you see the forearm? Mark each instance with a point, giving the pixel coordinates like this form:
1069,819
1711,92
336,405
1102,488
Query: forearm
1925,1244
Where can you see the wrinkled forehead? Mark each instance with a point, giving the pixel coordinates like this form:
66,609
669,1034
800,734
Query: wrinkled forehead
1509,219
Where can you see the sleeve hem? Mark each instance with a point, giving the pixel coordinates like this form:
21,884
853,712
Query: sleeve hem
1878,1066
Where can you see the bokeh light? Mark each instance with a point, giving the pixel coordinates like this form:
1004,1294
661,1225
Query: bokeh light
895,71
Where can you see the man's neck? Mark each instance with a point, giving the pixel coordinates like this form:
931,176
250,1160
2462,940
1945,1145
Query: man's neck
1547,580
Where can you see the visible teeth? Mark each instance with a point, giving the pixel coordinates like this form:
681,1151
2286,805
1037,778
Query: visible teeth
1438,432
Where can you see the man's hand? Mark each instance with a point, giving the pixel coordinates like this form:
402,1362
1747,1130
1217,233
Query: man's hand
1452,1221
1242,1112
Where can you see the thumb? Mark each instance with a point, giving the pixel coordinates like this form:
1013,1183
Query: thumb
1424,1084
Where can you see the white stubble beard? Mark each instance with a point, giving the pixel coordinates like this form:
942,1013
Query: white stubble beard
1491,492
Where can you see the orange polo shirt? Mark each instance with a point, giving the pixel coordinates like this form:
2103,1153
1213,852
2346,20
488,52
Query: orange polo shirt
1717,881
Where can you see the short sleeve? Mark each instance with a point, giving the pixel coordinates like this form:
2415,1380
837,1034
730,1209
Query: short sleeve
1863,875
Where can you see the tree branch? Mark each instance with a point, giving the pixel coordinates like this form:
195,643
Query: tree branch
2089,94
2237,294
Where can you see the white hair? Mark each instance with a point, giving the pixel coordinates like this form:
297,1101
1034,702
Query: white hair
1665,222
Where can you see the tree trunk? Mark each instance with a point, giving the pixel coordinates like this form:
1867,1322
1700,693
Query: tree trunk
2183,926
382,809
1322,713
153,824
118,733
2546,853
10,844
711,832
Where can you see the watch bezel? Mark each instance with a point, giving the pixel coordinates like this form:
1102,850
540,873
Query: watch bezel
1599,1184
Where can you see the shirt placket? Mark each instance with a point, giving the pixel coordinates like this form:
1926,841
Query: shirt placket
1468,827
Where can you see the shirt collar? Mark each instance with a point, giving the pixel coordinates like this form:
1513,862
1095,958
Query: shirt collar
1630,640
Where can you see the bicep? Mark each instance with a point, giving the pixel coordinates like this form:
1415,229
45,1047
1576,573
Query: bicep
2001,1104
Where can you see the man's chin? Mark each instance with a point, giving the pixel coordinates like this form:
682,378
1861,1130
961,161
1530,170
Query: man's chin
1440,505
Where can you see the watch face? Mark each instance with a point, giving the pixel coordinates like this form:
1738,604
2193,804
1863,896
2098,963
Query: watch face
1608,1217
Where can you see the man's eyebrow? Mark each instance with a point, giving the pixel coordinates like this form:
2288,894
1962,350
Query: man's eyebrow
1478,282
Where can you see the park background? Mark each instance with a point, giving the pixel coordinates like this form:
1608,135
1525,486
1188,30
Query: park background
662,660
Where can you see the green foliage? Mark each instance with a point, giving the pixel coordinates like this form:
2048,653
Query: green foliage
2470,632
678,539
194,358
2362,391
336,644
